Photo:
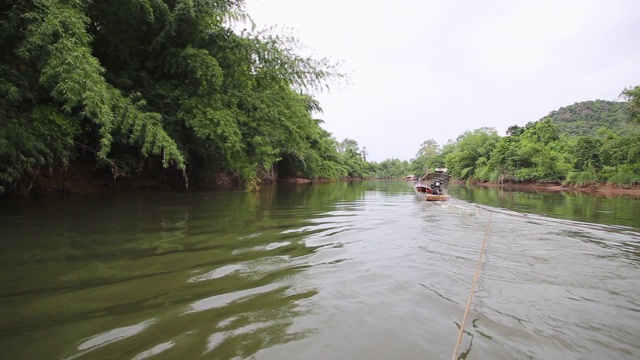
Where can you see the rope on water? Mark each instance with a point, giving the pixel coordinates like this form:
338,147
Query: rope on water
566,222
473,287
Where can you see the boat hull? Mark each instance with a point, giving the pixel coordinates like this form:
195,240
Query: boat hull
431,197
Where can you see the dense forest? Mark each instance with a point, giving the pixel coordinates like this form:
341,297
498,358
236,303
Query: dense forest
187,90
581,144
585,118
169,88
589,142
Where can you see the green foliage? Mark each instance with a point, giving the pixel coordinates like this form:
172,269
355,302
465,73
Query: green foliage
505,158
352,160
544,151
542,132
580,178
580,144
587,155
470,153
56,34
142,80
585,118
26,150
429,157
632,95
391,169
50,62
625,176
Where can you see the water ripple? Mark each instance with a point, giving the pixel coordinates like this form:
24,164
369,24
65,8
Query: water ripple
361,271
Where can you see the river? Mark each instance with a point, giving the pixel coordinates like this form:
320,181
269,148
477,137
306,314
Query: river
358,270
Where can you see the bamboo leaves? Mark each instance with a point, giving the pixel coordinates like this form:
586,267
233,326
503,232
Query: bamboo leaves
632,95
57,33
144,80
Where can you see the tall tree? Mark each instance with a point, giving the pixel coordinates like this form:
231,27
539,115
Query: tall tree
587,154
347,144
471,148
428,157
352,159
429,148
632,95
542,132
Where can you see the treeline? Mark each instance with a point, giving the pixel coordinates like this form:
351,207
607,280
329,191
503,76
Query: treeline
552,149
158,86
539,152
589,142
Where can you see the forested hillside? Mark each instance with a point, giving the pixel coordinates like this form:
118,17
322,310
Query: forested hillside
585,118
585,143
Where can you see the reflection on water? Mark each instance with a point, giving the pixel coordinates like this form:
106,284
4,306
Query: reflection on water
318,271
111,336
614,210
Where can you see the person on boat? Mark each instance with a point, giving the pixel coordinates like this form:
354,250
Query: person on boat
436,186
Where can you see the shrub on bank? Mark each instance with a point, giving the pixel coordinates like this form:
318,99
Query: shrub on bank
579,178
625,177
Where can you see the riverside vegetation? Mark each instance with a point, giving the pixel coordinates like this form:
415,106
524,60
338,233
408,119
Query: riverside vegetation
582,144
178,91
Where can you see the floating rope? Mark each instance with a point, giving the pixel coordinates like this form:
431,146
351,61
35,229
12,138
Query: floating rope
567,222
473,286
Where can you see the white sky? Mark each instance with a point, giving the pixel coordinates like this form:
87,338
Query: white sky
427,69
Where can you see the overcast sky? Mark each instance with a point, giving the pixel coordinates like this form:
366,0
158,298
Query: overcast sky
426,69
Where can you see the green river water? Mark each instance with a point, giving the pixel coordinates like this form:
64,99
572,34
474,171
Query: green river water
358,270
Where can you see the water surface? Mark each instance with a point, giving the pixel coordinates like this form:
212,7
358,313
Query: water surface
325,271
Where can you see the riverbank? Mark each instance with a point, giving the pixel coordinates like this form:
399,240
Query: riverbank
592,189
84,178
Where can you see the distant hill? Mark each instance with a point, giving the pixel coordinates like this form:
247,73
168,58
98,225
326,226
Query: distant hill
585,118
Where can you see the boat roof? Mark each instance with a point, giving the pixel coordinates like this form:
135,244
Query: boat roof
438,176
